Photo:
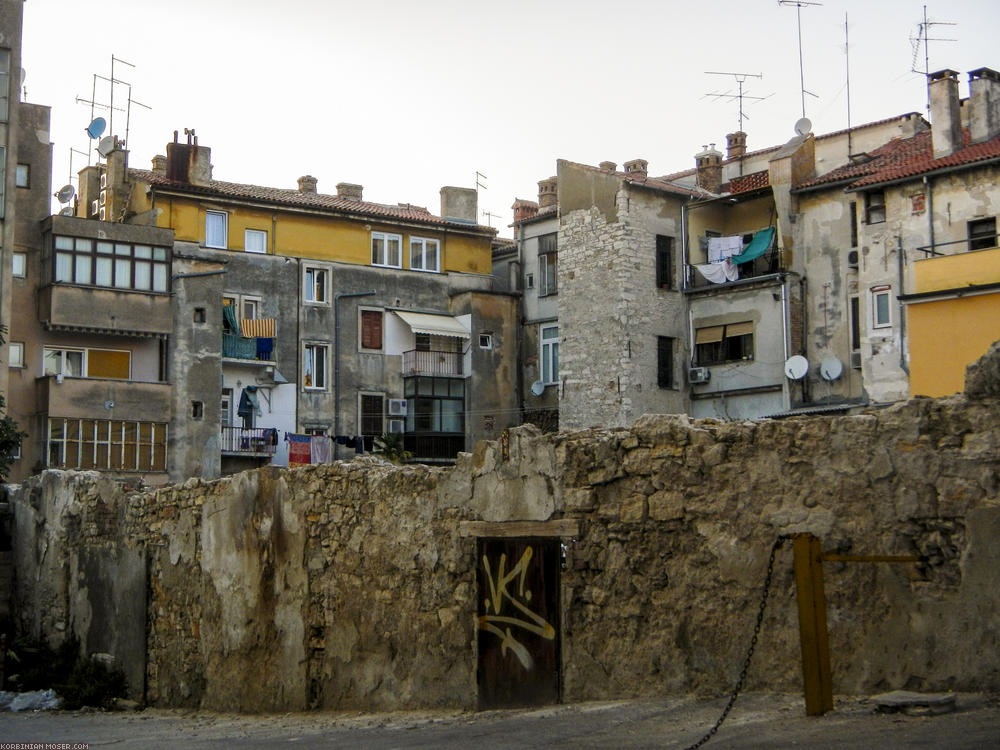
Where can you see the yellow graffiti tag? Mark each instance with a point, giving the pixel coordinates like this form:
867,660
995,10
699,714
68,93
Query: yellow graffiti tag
498,593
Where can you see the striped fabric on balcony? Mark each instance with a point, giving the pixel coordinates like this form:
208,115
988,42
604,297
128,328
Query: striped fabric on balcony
257,327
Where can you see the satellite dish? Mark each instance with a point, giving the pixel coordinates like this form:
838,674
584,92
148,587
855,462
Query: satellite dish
106,145
796,367
803,126
96,127
538,388
66,193
66,211
831,368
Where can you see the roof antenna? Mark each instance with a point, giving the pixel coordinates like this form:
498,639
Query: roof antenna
923,36
798,15
739,96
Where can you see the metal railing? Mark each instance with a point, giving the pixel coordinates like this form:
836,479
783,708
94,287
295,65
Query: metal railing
242,347
768,263
432,363
984,242
258,441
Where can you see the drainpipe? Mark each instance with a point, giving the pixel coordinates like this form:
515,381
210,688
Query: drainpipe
902,309
684,247
336,360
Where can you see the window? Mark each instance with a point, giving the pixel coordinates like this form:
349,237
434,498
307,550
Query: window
15,354
548,265
249,308
199,315
664,362
425,255
983,234
386,250
529,281
664,262
255,240
875,207
22,176
549,337
119,265
316,285
20,263
435,404
3,151
106,444
370,415
852,209
226,407
87,363
716,345
855,324
485,341
371,330
4,83
881,308
197,410
314,366
216,229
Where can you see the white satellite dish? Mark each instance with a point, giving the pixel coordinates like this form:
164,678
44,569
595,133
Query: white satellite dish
796,367
831,368
803,126
106,145
538,388
67,211
66,193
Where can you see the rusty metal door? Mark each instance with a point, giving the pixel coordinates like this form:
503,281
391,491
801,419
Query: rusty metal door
518,581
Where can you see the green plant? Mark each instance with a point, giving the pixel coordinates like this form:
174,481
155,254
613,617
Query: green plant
390,446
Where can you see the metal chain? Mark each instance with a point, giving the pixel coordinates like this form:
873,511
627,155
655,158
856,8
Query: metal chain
753,644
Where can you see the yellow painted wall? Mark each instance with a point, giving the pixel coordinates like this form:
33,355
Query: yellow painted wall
313,236
953,271
727,218
947,335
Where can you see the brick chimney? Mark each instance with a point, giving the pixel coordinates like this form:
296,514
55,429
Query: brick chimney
946,120
307,184
608,165
638,168
736,145
189,162
548,192
160,165
347,190
984,104
459,204
524,209
708,166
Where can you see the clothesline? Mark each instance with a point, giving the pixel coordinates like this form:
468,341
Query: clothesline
318,449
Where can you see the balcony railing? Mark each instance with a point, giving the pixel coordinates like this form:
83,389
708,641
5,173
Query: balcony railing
241,347
254,441
434,447
432,363
766,264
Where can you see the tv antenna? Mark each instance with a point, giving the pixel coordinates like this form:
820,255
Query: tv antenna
479,181
740,95
923,37
490,216
799,4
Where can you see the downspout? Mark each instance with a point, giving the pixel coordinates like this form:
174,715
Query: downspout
336,357
902,308
803,288
684,247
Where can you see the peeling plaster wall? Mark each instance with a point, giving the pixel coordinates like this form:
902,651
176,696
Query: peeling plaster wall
351,585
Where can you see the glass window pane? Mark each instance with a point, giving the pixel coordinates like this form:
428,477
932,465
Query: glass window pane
143,275
451,416
159,253
143,251
64,267
84,245
103,277
457,387
123,273
64,243
159,277
378,250
121,249
440,387
82,274
52,362
392,251
105,247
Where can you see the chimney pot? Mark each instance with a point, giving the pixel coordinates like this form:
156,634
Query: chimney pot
548,192
946,113
984,104
708,165
637,168
736,145
307,184
160,165
461,204
608,165
350,191
524,209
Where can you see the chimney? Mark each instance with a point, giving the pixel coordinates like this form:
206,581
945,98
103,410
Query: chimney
984,101
548,192
709,169
160,165
459,204
946,120
347,190
524,209
736,145
189,162
307,184
608,165
637,168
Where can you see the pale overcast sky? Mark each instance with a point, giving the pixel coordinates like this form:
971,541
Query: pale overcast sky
404,97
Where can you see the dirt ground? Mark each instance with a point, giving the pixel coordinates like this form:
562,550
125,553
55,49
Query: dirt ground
757,721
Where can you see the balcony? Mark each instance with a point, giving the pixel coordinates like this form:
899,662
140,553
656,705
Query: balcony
418,362
127,313
434,447
254,441
103,398
252,349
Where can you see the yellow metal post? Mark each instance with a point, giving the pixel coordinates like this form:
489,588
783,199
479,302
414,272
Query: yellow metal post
812,624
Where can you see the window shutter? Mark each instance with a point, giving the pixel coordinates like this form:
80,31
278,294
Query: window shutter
371,329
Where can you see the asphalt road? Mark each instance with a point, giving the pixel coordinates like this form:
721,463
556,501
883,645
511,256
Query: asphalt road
757,721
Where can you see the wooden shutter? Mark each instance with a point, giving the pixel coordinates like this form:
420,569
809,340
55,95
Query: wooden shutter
371,329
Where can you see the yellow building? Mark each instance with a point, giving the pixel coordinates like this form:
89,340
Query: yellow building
954,317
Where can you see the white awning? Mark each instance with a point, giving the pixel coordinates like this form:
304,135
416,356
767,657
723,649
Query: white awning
436,325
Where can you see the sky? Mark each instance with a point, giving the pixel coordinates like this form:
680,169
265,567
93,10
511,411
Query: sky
405,97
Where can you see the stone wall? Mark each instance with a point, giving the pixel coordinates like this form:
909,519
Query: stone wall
352,585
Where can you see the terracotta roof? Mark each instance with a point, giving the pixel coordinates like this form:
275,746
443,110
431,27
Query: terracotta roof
747,182
298,199
904,158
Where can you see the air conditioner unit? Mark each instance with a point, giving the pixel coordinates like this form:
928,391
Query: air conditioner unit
856,360
698,375
397,425
397,407
104,180
93,207
102,215
103,197
852,259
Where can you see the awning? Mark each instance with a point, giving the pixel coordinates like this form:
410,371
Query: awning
257,328
759,245
436,325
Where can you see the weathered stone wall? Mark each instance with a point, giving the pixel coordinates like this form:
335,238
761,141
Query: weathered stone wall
351,585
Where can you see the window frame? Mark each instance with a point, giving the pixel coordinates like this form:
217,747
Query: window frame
224,216
982,240
877,293
147,440
314,348
725,349
367,313
24,169
5,57
363,415
423,243
875,210
18,361
313,277
385,237
14,258
257,233
85,356
664,262
84,262
548,354
548,264
665,369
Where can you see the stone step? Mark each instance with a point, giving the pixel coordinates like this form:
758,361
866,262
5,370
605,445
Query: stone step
914,704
